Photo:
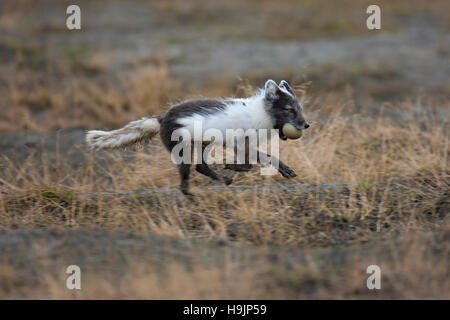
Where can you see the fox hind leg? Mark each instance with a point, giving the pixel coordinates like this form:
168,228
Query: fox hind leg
184,169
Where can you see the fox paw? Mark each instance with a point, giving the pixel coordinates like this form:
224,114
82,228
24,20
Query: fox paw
227,180
287,172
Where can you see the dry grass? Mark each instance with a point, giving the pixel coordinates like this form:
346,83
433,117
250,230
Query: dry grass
37,102
395,169
416,267
397,187
375,158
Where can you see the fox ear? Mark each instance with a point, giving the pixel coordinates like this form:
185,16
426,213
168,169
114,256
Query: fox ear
285,85
271,89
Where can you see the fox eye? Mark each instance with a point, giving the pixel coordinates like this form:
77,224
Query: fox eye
291,111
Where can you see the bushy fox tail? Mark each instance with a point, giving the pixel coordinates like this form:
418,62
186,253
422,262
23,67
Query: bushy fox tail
135,132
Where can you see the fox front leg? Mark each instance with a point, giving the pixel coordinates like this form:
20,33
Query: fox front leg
204,169
282,167
286,171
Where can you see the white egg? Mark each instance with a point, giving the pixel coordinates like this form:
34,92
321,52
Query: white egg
291,132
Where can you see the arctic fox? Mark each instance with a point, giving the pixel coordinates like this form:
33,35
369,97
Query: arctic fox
269,108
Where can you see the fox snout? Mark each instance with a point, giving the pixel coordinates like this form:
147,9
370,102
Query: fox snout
302,126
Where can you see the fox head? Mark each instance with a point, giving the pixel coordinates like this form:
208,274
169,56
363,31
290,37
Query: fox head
283,106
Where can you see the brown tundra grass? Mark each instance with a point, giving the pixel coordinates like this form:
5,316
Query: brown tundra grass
391,176
396,177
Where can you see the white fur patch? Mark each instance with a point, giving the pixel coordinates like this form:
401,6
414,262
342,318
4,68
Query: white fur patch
245,113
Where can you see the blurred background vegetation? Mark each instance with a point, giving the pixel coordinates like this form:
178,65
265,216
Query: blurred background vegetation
373,169
136,57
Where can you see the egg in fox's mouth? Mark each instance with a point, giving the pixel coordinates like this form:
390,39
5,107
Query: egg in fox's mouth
289,131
